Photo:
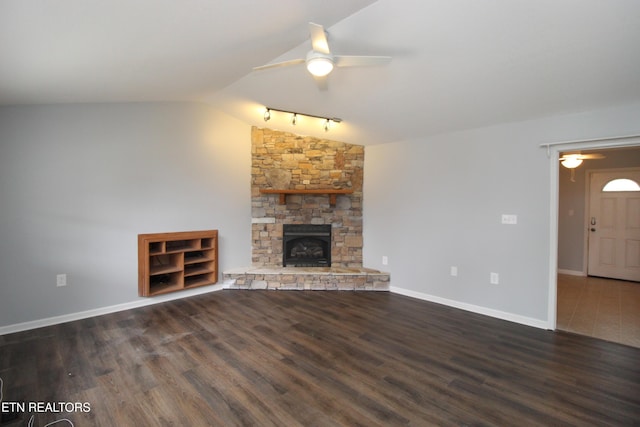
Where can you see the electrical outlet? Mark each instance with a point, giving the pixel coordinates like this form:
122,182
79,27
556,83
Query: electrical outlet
385,260
61,280
454,270
494,278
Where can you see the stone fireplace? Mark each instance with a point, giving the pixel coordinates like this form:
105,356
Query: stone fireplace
285,161
300,182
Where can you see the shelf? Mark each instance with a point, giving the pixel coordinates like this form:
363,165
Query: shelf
164,263
200,280
198,259
333,193
156,248
194,271
182,245
163,283
165,288
163,269
207,243
169,262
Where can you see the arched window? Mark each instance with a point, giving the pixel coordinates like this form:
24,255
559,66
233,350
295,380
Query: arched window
621,184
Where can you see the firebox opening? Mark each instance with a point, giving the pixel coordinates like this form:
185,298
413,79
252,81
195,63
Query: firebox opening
306,245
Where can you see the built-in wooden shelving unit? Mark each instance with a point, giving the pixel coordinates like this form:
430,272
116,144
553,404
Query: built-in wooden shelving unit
333,193
169,262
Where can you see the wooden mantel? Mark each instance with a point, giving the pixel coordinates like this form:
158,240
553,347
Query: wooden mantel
333,193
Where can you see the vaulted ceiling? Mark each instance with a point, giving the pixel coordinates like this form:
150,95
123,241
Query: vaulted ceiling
457,64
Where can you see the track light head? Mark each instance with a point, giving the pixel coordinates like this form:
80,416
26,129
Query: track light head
267,115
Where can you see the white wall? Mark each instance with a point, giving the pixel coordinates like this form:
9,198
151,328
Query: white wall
437,202
79,183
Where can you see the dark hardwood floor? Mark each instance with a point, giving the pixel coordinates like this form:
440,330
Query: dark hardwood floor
278,358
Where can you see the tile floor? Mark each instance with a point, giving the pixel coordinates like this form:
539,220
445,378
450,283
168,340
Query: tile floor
601,308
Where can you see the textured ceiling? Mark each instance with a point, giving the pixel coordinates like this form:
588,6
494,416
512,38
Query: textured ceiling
457,64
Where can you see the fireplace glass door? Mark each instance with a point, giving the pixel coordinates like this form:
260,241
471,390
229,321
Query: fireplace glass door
306,245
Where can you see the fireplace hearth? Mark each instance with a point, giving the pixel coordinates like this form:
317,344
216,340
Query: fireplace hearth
306,245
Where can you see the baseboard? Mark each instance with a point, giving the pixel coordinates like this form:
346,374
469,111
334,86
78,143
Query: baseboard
523,320
571,272
25,326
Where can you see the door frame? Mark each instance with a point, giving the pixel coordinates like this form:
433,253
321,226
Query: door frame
553,152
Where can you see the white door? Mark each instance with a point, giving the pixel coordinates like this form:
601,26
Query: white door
614,225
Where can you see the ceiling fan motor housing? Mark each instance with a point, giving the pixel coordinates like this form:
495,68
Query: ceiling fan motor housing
319,64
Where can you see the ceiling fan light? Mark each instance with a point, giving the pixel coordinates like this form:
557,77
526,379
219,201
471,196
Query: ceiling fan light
571,162
320,66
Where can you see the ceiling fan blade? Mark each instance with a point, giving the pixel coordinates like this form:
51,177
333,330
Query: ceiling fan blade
319,41
582,156
279,64
592,156
360,61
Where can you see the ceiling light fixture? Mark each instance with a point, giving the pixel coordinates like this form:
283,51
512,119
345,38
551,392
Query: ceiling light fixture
319,64
327,121
571,162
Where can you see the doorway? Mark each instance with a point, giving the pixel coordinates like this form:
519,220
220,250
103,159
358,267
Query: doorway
572,208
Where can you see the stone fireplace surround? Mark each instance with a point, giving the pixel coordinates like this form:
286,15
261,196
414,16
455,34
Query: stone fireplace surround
283,160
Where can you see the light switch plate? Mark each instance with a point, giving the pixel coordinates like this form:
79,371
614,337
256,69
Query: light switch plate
61,280
510,219
494,278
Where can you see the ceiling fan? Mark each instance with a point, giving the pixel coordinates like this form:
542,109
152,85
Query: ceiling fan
573,160
320,61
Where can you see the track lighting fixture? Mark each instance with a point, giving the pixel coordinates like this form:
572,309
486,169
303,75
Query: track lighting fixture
327,121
